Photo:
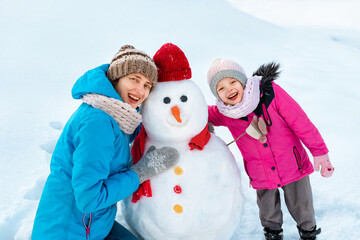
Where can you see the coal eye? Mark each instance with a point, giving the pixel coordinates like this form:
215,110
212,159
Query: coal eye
167,100
183,98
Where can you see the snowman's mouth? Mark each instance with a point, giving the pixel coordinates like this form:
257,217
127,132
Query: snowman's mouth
172,122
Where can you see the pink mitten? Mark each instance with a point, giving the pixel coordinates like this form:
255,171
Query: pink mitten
257,129
326,168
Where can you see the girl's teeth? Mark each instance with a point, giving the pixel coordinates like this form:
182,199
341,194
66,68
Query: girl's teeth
230,97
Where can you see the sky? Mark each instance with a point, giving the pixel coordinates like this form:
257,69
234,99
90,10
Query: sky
46,45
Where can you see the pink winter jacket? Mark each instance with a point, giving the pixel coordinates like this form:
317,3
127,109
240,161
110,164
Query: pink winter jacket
282,159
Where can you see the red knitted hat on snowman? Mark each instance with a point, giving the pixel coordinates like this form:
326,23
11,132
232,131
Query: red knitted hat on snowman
171,63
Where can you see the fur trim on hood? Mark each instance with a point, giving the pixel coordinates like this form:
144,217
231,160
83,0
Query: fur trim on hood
269,72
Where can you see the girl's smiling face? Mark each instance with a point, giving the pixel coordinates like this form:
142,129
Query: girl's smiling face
230,91
133,88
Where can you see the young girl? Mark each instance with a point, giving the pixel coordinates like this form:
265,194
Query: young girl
89,170
277,158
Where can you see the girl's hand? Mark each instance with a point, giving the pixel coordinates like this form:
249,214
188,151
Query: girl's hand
327,169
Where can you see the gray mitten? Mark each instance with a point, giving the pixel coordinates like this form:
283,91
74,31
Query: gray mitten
211,127
155,161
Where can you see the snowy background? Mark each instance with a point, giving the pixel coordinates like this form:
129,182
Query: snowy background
46,45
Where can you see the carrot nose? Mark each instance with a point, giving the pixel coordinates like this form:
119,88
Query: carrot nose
176,113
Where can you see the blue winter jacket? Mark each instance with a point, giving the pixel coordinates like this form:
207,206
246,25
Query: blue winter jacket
89,170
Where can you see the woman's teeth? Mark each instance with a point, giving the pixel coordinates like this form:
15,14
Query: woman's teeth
133,97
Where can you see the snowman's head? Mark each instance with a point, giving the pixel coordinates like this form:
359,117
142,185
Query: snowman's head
175,111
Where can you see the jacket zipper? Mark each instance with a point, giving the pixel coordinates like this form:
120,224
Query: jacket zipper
247,172
297,158
87,227
266,115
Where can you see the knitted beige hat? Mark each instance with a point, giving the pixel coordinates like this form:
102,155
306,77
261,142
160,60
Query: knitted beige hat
131,60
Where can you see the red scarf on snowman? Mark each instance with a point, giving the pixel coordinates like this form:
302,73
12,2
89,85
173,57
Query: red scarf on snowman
172,65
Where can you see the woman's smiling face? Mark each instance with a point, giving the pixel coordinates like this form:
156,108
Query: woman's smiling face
230,91
133,88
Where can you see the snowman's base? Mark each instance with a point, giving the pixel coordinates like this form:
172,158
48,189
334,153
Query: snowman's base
203,200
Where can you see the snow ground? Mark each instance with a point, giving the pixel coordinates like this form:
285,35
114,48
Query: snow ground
46,45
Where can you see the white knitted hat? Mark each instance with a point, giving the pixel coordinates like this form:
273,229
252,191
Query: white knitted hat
223,68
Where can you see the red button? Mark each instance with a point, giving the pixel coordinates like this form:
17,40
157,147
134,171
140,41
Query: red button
177,189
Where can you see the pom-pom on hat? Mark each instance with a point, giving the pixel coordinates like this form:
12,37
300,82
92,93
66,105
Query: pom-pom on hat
172,63
223,68
131,60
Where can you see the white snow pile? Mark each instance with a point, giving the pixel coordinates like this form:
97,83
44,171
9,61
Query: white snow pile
46,45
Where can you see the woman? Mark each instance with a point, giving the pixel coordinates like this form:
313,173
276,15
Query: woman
89,166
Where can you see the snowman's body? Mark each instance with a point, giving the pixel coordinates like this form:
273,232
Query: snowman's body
201,197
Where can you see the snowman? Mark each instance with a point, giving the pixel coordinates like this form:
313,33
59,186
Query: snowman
201,197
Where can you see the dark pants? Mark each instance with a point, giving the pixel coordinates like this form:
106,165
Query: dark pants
118,232
299,202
